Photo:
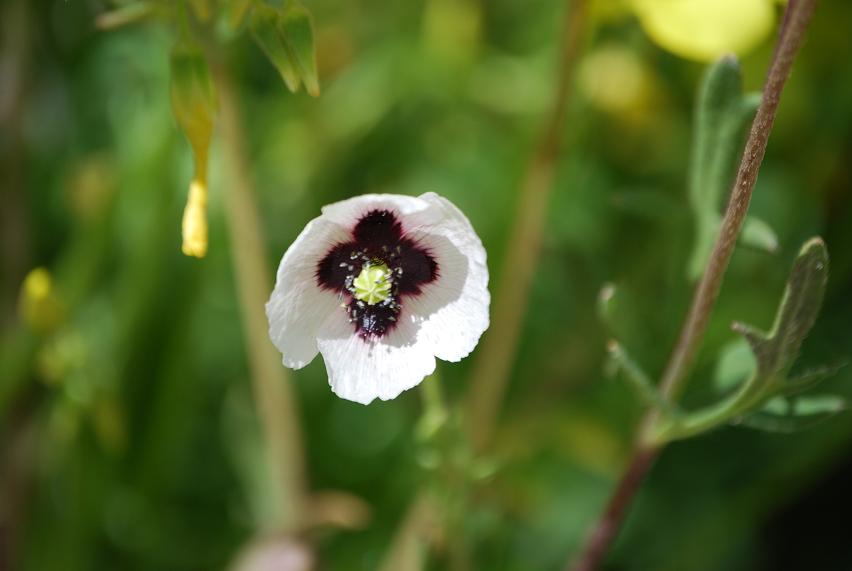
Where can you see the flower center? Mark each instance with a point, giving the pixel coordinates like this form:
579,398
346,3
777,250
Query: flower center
373,284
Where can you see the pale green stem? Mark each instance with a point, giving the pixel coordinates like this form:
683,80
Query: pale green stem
499,346
273,393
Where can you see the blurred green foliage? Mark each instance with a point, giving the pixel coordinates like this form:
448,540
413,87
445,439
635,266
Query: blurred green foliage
127,424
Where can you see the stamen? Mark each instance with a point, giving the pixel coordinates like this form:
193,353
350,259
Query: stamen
373,284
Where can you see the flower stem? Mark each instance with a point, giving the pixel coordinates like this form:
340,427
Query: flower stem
493,365
273,395
791,35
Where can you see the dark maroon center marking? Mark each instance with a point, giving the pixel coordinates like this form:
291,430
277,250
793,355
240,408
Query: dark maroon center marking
377,238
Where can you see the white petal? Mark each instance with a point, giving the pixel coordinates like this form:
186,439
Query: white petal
348,212
298,306
361,371
452,311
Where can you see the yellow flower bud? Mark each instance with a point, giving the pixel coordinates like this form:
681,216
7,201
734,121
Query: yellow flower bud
195,220
704,30
39,307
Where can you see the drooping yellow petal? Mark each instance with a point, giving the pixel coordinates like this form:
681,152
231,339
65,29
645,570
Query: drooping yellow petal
195,220
704,30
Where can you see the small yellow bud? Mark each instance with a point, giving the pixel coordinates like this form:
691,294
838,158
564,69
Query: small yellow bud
39,306
195,220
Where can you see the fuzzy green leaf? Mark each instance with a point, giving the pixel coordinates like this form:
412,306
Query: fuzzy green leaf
264,29
723,114
286,36
759,235
297,30
735,364
790,415
774,355
777,350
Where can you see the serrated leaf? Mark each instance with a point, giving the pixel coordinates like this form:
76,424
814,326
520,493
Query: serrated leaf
723,114
789,415
264,30
776,351
297,29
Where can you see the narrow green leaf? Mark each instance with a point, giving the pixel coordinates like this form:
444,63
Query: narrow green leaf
606,303
639,381
790,415
777,350
759,235
809,379
264,30
735,364
297,29
723,114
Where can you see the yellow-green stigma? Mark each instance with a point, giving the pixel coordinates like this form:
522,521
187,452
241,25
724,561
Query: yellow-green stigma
373,284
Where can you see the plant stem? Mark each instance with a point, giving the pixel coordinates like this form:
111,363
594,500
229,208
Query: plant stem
494,363
273,395
796,20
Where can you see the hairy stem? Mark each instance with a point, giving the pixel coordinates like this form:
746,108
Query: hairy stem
273,395
494,363
796,20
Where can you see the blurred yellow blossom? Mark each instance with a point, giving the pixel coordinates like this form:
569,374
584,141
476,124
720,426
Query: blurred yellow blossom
704,30
39,307
614,79
195,220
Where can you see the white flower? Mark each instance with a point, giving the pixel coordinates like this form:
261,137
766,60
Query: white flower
381,285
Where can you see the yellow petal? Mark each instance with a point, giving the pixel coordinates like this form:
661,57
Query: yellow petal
195,221
704,30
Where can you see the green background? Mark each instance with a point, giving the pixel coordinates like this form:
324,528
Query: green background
124,428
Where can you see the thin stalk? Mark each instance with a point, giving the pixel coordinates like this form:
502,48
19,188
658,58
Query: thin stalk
792,33
494,363
273,394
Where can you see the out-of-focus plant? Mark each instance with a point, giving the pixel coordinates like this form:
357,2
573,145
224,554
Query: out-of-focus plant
203,97
767,397
283,30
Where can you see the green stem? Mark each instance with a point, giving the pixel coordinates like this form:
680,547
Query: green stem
499,346
274,399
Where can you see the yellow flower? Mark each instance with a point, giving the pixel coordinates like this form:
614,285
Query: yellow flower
704,30
195,220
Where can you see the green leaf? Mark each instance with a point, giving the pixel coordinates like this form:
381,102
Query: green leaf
264,30
286,36
777,350
809,379
774,355
736,363
297,29
723,114
789,415
759,235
